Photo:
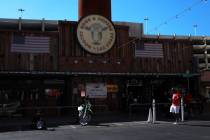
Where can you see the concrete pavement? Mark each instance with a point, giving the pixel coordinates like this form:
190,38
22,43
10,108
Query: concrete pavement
135,130
111,119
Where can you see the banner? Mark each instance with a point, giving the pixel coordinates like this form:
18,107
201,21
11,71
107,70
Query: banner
96,90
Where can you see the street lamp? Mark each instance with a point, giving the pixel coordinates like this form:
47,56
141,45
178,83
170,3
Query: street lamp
21,11
146,23
195,29
187,75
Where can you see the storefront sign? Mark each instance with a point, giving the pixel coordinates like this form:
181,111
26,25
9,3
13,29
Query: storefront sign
96,34
96,90
112,88
52,92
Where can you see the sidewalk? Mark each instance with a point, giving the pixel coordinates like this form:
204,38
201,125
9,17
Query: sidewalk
16,124
20,123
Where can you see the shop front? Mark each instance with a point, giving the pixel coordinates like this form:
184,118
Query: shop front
104,93
24,95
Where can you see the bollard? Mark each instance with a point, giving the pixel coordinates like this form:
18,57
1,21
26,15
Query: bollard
153,111
182,109
150,120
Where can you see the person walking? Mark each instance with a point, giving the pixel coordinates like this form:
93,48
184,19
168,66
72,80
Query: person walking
175,104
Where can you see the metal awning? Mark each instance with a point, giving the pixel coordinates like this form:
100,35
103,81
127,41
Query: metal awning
41,73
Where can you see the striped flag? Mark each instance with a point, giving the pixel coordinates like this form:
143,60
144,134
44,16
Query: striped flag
153,50
30,44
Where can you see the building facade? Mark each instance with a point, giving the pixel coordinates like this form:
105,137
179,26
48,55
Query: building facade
44,65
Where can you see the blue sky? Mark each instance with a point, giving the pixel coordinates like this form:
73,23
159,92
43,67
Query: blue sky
166,17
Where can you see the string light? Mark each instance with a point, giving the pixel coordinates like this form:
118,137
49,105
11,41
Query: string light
133,41
178,15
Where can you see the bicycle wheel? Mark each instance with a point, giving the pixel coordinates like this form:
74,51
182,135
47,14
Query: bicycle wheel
85,119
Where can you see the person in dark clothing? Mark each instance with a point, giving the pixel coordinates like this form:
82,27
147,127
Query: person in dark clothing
188,104
38,122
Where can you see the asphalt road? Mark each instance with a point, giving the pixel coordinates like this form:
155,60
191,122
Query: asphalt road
116,131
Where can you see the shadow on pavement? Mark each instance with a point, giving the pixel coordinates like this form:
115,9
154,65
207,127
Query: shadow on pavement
99,119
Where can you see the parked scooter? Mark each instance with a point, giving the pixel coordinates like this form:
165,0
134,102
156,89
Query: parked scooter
38,122
85,112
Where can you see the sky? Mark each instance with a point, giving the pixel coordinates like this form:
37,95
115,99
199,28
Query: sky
165,17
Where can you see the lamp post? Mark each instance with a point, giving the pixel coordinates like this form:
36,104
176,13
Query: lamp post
195,29
146,23
187,75
21,11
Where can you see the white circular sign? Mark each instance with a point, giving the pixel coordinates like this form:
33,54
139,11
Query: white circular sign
96,34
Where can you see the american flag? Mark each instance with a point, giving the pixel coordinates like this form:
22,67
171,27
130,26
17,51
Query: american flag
30,44
154,50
